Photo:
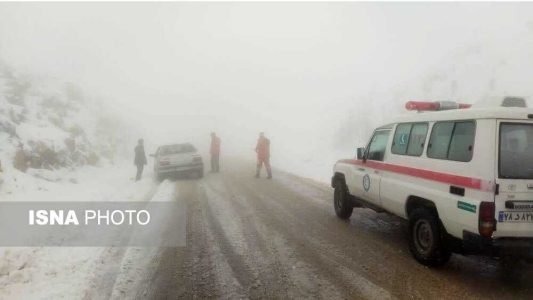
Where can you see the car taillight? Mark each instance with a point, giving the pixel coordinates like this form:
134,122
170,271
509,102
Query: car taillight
164,163
487,222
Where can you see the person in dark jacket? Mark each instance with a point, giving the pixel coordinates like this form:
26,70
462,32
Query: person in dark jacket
215,152
140,159
263,155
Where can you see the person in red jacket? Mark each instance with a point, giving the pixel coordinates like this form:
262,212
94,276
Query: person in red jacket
263,155
215,152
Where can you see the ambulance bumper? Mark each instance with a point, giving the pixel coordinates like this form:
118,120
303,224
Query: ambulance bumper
521,248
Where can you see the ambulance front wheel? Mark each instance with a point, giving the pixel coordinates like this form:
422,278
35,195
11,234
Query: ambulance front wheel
341,201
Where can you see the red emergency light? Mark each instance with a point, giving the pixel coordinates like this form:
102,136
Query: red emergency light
434,106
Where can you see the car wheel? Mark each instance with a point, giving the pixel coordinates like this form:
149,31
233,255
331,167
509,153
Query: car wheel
343,208
427,238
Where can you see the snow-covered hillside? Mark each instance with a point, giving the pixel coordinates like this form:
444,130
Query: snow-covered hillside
58,145
49,129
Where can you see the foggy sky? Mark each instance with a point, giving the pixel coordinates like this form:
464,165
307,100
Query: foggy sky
293,70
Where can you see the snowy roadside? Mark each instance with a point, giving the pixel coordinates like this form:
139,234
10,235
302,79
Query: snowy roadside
65,272
128,270
88,183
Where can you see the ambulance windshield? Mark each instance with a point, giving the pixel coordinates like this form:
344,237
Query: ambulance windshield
516,151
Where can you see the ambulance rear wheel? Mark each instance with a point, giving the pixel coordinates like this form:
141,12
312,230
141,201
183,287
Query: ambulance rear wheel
427,238
341,202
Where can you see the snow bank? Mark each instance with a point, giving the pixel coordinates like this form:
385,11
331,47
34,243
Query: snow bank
66,272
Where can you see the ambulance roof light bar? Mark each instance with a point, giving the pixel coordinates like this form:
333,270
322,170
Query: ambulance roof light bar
434,106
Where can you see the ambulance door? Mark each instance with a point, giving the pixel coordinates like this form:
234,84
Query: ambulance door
371,167
514,200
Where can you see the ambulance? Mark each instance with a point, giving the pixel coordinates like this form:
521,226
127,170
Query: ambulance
462,177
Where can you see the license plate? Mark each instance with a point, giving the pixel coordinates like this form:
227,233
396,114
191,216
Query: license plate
516,216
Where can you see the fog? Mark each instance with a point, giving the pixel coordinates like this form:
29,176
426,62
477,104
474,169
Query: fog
315,77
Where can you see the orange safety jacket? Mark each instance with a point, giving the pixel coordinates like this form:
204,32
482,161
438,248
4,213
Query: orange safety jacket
263,148
215,146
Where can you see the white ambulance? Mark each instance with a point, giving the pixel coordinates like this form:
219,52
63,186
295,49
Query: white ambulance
462,176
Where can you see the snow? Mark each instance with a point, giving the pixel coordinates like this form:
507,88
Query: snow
88,183
52,135
67,272
47,113
46,273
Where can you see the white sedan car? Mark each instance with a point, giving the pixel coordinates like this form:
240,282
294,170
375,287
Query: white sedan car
178,159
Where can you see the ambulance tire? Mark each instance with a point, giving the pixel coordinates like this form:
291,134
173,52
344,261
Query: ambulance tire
427,238
341,201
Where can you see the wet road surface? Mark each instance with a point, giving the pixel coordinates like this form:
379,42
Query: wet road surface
279,239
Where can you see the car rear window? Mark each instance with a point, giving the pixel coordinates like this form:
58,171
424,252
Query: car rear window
176,149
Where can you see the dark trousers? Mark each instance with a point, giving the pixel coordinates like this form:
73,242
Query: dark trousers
140,168
215,164
266,162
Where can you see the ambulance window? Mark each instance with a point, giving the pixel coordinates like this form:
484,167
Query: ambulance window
409,139
417,139
462,143
401,139
452,141
440,140
516,151
378,144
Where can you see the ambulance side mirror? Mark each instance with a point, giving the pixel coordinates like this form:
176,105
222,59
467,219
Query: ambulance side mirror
360,153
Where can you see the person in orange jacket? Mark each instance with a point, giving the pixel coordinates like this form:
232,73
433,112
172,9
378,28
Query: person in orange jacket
263,155
215,152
